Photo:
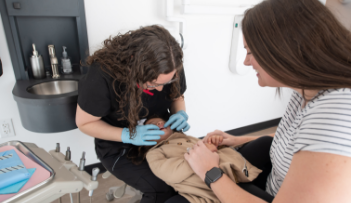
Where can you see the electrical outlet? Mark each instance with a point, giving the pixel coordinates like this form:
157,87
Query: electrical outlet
6,128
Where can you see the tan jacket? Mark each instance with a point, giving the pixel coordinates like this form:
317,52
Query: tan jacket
167,162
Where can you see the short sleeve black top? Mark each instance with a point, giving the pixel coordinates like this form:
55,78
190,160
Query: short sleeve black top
96,96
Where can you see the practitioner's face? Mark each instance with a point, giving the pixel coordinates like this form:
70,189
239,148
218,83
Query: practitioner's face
160,81
159,122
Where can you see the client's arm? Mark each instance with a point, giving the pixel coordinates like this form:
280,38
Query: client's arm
312,177
172,170
229,140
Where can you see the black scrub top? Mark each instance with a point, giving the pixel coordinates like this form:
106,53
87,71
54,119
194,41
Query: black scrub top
97,97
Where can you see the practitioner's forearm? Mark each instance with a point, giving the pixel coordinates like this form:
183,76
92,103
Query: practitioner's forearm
102,130
177,105
95,127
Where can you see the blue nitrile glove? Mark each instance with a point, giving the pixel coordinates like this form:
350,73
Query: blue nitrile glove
143,134
179,121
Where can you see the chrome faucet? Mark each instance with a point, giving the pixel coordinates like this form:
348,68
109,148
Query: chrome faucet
53,61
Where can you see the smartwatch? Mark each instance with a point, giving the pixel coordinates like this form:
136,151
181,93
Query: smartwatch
213,175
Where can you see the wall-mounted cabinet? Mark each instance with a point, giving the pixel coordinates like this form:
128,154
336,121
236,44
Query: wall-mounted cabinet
51,107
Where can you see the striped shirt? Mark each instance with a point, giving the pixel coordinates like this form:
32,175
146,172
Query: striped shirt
324,125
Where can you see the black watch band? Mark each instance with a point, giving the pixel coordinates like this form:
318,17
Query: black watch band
213,175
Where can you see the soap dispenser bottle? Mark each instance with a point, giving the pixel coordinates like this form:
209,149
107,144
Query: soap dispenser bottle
36,61
66,62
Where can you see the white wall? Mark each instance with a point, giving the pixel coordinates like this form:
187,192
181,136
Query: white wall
215,98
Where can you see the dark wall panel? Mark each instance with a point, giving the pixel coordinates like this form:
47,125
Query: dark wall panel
43,7
59,31
44,22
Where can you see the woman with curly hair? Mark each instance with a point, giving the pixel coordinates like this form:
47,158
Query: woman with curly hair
134,75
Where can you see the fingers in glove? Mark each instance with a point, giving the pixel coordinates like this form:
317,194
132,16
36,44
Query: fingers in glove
151,137
170,121
176,124
182,125
151,127
186,128
149,143
154,132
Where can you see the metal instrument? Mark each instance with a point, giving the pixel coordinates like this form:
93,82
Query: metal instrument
94,174
68,154
57,147
37,64
82,162
65,177
53,61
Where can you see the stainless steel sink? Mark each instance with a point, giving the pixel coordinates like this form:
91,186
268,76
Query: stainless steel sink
54,87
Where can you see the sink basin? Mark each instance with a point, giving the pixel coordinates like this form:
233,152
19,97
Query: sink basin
54,87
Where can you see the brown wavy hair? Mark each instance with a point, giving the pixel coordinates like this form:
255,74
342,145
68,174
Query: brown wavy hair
137,57
299,43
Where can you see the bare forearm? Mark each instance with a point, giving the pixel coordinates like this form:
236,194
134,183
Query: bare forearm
102,130
227,192
177,105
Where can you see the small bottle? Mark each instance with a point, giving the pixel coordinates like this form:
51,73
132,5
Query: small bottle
66,62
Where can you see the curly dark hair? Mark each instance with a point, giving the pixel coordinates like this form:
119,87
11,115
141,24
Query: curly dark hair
137,57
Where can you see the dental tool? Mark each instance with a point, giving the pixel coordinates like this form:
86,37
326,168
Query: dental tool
94,174
68,154
82,162
81,168
59,176
57,147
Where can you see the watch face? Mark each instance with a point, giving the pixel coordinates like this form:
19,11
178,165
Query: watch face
214,174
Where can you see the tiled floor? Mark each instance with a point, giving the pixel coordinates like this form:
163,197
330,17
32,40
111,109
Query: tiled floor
99,195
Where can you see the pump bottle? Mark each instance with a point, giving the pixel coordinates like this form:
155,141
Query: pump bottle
37,64
66,62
